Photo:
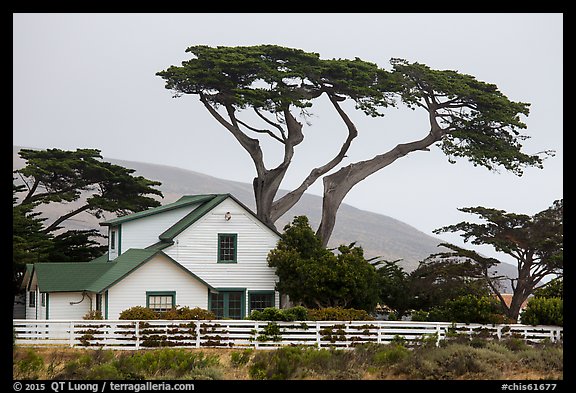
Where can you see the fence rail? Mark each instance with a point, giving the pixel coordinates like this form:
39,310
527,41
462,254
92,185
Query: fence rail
134,335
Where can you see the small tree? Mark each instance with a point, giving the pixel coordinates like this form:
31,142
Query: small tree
435,281
468,309
317,277
535,242
394,287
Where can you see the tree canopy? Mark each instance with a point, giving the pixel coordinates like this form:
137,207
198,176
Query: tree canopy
467,118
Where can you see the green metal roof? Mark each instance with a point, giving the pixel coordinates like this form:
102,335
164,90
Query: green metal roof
182,202
96,277
192,217
68,276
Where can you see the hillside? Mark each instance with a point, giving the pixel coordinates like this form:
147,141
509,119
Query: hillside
378,234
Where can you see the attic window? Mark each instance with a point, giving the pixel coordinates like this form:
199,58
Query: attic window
227,245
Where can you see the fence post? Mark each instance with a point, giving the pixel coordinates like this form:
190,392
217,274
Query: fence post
256,326
318,344
71,334
137,332
437,334
197,333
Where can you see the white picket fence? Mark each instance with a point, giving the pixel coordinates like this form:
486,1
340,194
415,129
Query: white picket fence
134,335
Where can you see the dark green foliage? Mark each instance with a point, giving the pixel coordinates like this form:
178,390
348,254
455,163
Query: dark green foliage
486,127
554,288
544,311
76,246
317,277
468,309
291,77
338,314
394,287
297,313
436,281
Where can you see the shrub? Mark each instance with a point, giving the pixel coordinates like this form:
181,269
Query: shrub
241,358
468,309
338,314
390,354
188,313
29,366
544,311
297,313
138,312
183,313
419,316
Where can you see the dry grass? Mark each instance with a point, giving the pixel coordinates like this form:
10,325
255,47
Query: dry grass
453,362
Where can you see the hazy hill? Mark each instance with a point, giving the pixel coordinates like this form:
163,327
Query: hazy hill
378,234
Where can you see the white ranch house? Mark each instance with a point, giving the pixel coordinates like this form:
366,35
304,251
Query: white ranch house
206,251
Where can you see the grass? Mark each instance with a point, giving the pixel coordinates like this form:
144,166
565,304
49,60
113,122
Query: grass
476,360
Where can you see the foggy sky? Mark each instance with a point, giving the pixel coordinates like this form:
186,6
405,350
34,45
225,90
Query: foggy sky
88,81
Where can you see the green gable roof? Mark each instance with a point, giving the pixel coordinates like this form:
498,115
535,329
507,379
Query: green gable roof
182,202
207,202
192,217
96,277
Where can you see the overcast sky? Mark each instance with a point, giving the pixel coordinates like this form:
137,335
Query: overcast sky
88,81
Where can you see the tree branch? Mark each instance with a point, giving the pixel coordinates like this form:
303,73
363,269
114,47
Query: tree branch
285,203
251,145
282,132
55,224
261,131
338,184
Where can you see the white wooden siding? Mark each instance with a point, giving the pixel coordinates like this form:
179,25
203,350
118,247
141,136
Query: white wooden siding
196,248
158,274
143,232
60,307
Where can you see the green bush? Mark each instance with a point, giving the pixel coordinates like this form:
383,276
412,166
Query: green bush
338,314
544,311
297,313
138,312
241,358
468,309
390,354
183,313
29,366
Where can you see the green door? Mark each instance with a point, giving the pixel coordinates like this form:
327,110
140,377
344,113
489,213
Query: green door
227,304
